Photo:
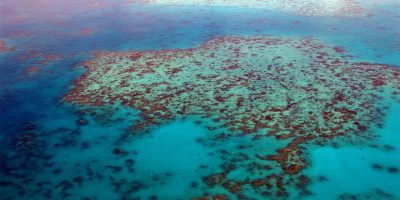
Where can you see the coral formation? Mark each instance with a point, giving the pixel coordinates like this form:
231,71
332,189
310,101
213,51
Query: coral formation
4,47
296,89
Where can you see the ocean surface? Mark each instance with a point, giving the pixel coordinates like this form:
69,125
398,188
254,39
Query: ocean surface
54,145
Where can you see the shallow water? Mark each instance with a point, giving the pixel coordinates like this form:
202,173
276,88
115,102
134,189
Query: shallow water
52,148
359,169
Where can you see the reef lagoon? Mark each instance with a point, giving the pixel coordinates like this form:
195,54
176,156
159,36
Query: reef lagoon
200,100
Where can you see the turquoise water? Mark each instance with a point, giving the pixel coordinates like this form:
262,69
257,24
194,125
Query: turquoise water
359,170
51,149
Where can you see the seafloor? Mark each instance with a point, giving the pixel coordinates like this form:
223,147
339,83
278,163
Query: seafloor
200,99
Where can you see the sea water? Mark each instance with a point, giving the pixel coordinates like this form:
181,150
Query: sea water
169,161
359,170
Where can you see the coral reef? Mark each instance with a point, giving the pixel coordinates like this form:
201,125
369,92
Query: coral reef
4,47
296,89
86,31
